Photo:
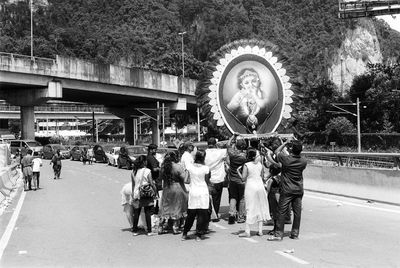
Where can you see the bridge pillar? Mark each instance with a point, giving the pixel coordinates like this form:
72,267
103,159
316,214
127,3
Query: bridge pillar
27,122
3,123
27,98
129,135
155,132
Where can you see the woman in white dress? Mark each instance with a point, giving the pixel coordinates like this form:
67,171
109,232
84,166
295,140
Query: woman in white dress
256,198
199,198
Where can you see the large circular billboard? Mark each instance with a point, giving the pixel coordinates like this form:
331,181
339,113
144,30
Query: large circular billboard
249,91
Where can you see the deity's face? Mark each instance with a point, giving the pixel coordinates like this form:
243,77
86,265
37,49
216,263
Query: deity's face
250,82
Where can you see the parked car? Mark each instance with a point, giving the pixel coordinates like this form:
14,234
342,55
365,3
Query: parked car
162,151
112,156
50,149
128,154
25,145
77,152
99,154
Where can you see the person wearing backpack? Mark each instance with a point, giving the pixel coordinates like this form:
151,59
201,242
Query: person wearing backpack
56,162
142,185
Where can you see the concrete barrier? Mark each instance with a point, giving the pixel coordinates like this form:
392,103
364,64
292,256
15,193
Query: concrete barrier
9,177
371,184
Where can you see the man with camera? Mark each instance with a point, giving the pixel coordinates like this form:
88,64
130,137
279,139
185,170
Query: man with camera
291,188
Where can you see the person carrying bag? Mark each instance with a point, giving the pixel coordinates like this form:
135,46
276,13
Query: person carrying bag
144,192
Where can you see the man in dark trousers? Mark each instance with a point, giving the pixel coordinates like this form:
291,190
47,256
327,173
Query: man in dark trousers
236,159
291,188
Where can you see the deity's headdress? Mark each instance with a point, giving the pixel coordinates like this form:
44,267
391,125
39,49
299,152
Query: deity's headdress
248,72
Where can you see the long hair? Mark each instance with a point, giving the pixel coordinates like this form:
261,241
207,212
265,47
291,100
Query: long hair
200,157
251,154
139,163
166,168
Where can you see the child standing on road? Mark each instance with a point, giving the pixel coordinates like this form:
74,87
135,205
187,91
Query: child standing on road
36,164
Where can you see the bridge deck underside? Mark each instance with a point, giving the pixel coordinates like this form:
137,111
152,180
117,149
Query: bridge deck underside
91,92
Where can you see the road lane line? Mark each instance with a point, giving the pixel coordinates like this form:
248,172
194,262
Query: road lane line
219,226
250,240
10,227
352,204
290,257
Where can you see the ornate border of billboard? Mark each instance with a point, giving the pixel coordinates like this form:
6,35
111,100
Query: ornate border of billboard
248,90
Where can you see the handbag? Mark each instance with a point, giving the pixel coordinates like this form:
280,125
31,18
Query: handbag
146,191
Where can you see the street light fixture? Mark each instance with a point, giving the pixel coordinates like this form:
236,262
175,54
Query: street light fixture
183,59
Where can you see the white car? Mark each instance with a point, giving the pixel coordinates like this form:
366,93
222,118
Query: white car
113,156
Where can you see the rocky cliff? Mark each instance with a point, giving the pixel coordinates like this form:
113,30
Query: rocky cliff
359,47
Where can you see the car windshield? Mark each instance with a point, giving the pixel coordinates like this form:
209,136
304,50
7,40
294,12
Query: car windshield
137,150
33,143
59,147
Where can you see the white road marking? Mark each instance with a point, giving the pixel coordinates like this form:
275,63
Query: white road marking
11,225
352,204
250,240
22,252
290,257
219,226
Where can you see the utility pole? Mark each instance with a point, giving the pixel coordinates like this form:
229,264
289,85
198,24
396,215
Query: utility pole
358,126
163,123
183,54
344,111
93,128
198,124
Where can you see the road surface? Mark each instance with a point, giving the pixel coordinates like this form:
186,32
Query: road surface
77,221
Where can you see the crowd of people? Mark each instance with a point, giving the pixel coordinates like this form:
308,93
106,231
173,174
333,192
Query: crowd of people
30,166
264,180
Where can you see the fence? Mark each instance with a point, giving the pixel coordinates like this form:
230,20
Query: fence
357,160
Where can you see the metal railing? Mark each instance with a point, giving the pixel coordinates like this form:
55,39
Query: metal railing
357,160
34,59
57,108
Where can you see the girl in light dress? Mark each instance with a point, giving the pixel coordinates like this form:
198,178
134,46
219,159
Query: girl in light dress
199,198
256,198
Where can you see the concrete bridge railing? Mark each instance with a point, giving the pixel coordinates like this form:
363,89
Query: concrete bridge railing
73,68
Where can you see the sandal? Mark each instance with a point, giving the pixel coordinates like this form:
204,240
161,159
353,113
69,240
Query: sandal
244,234
274,238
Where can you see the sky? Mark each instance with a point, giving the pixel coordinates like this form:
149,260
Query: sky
393,21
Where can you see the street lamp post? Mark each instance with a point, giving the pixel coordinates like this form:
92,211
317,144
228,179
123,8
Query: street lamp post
183,58
31,8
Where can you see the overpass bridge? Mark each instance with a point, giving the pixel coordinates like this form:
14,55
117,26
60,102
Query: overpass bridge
125,92
59,111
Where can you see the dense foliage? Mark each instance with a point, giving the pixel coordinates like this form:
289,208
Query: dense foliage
145,34
379,93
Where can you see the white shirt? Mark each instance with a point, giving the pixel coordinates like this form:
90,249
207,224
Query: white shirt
36,164
199,197
187,160
141,178
215,161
